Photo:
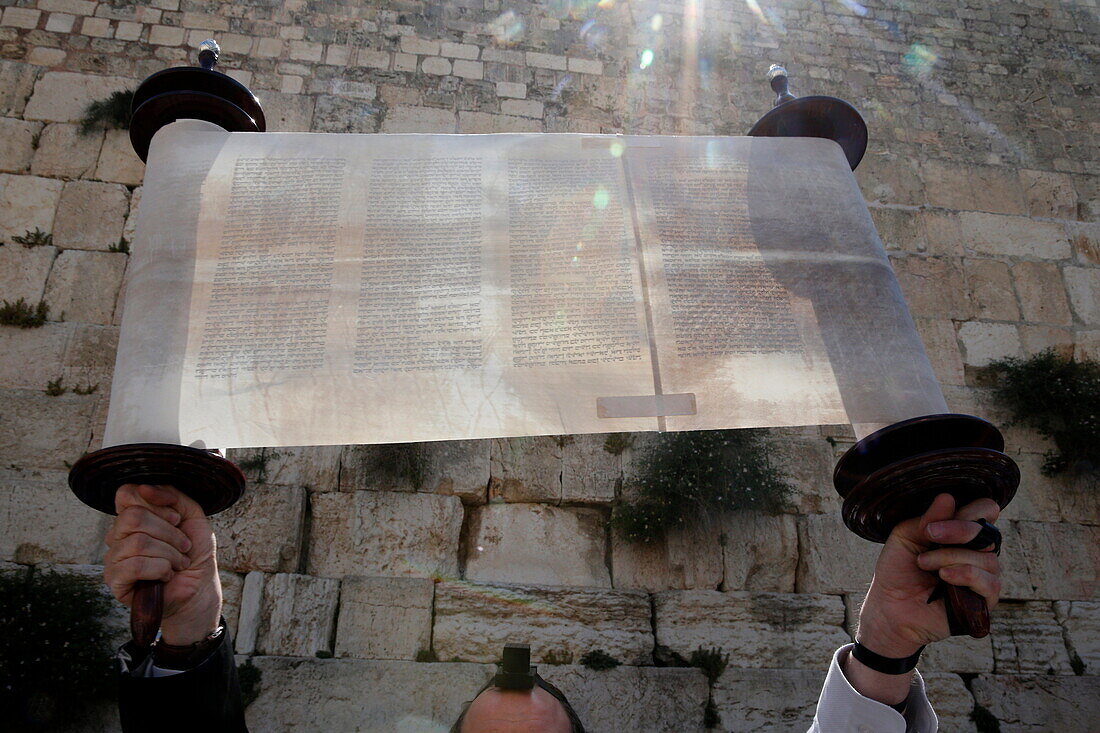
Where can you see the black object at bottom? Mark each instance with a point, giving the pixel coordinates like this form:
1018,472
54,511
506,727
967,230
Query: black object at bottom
885,665
515,671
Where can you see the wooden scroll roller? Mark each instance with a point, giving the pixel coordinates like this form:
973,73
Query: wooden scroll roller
895,473
212,481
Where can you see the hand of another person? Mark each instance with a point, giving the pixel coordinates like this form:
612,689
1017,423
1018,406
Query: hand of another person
162,534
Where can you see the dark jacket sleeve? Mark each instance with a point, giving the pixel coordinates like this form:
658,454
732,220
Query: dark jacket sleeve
206,698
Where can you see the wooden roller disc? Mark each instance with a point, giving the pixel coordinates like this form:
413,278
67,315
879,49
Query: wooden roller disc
817,116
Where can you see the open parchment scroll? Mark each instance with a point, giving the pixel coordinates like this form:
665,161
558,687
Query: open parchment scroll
311,289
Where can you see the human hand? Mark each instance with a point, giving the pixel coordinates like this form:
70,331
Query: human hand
162,534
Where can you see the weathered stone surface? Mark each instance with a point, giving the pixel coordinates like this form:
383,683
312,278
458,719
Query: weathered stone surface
43,522
933,286
232,587
84,285
983,343
1040,702
1049,194
942,346
768,699
534,543
890,178
118,162
1027,639
1083,285
23,272
633,698
1042,294
118,616
298,615
1034,339
288,112
951,701
384,618
451,468
40,431
27,203
473,622
1015,236
262,531
989,285
314,467
25,348
63,152
1041,560
526,469
832,559
61,96
359,695
1039,496
1081,621
780,630
16,144
336,114
899,229
589,474
16,84
384,533
978,188
760,552
807,463
250,612
682,558
404,118
90,215
89,357
484,123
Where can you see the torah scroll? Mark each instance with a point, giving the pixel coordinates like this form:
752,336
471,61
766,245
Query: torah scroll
312,289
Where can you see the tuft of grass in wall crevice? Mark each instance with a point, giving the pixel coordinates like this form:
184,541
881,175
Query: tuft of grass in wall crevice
106,114
23,315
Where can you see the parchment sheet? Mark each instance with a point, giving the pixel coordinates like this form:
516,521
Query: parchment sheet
305,289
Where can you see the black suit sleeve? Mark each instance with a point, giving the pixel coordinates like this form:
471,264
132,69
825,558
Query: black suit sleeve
206,698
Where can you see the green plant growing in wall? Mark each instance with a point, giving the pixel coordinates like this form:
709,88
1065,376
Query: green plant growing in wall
37,238
122,246
249,677
256,464
54,388
689,476
56,656
616,443
1059,397
599,660
110,113
23,315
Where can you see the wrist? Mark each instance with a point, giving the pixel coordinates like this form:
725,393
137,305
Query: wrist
877,633
191,626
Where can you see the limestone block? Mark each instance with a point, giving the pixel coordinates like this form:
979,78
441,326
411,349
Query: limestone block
833,559
1039,498
16,144
890,178
807,463
933,286
337,114
526,469
16,83
977,188
1086,241
1083,285
1013,236
27,203
62,96
41,521
474,621
1034,339
118,162
589,474
951,700
232,586
484,123
361,695
298,615
1081,621
633,698
1027,639
989,286
1042,295
1088,345
768,699
760,552
1049,194
534,543
90,215
384,533
39,431
1034,703
943,232
63,152
781,630
942,346
686,557
23,272
131,218
899,229
262,531
250,613
1042,560
384,618
452,468
89,357
31,354
314,467
83,286
983,343
288,112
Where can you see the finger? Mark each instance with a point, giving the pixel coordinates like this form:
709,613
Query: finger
982,582
129,495
913,531
933,560
169,496
986,509
954,532
135,519
121,576
142,545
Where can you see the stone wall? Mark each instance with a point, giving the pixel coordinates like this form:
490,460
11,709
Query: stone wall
981,177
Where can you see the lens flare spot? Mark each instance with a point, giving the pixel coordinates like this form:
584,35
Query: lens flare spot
480,548
601,198
920,59
854,7
755,8
576,259
647,59
616,149
605,4
656,22
580,246
506,27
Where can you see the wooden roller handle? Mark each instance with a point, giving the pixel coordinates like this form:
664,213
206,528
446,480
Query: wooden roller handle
146,611
969,610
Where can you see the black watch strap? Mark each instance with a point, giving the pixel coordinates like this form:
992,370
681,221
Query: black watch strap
886,665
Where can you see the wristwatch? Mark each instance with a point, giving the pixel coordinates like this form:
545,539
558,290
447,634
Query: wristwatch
187,656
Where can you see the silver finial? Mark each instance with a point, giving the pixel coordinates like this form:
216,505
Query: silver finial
208,54
777,77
